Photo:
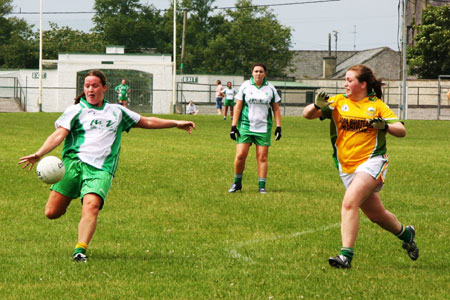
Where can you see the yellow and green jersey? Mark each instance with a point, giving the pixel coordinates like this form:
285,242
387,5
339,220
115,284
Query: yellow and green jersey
353,140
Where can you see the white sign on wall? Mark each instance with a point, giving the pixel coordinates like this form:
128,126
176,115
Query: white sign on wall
35,75
190,79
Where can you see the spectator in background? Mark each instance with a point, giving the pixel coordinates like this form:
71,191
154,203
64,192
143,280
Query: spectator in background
219,97
191,109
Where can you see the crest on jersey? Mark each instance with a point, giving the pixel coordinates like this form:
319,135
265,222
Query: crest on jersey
344,107
371,111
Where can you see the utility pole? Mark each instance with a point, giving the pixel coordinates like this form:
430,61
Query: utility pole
174,65
183,41
40,58
354,37
335,42
404,99
329,45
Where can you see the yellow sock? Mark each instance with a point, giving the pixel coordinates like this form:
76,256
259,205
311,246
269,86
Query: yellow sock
81,245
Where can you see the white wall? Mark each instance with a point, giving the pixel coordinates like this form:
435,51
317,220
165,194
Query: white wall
204,90
59,85
158,65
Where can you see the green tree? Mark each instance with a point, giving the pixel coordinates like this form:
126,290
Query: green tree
429,57
18,49
202,27
252,34
129,23
64,39
21,50
5,26
231,40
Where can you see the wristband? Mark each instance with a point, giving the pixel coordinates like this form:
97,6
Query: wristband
316,106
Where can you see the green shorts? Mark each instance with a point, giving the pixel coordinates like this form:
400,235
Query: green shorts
229,102
261,139
81,179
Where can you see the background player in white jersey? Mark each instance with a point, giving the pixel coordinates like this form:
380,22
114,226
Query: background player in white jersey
252,123
92,130
229,93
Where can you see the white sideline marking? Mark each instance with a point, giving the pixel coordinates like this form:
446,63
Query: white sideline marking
235,254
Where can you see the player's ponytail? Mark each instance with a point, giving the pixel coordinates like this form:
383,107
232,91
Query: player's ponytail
95,73
78,98
374,84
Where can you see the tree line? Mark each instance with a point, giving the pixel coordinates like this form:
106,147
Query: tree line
217,41
224,41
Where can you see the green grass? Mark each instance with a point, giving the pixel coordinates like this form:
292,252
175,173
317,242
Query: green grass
170,230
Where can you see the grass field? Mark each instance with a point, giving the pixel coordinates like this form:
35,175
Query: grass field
170,230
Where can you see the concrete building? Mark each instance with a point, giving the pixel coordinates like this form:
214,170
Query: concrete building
63,80
311,64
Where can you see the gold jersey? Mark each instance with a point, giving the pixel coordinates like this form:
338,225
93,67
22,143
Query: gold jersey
353,140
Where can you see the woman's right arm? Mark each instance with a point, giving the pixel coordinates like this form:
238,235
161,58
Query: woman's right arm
311,112
53,141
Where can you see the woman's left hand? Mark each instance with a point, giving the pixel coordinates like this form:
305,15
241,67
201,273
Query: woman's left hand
186,125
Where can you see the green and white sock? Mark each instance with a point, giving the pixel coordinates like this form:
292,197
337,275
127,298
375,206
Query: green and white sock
404,234
238,179
261,182
347,252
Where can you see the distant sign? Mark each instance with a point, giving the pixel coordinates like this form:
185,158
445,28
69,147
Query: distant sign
190,79
35,75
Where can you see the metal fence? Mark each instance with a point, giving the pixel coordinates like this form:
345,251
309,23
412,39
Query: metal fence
430,98
10,88
140,83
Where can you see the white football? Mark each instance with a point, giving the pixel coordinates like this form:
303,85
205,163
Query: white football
50,169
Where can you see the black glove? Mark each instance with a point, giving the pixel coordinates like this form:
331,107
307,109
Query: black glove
278,133
379,123
234,132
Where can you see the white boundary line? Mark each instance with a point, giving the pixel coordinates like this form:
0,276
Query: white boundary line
235,254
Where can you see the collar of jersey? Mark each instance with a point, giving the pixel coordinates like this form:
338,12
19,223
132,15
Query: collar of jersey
265,82
369,97
93,106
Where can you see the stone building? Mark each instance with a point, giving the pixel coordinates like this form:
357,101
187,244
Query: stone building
315,64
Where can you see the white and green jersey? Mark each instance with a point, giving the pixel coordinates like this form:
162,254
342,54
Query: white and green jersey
96,132
229,93
256,115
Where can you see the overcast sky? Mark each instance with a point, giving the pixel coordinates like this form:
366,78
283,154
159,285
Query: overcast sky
363,24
